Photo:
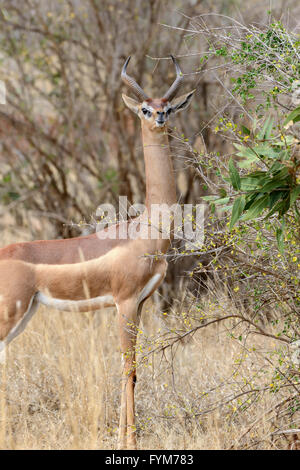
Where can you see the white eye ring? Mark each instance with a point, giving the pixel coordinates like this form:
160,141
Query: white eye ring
147,113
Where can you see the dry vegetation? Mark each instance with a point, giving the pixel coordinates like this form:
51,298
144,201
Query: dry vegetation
214,361
60,387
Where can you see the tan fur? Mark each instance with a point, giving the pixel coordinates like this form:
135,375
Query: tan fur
123,273
66,251
17,284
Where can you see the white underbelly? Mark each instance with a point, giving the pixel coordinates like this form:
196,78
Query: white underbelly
76,305
72,306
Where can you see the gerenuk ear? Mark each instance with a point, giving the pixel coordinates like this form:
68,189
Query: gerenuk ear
131,103
182,102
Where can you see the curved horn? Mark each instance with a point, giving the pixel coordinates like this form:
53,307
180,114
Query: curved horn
176,84
132,83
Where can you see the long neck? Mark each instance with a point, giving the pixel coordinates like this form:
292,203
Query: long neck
160,182
160,189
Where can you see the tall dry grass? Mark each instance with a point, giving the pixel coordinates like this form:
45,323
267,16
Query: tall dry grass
60,386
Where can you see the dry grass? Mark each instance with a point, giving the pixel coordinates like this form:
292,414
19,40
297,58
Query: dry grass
61,380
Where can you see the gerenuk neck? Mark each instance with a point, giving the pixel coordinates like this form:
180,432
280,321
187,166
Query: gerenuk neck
160,180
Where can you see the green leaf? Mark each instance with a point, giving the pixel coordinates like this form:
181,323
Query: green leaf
225,208
237,210
268,126
256,208
275,167
295,193
274,183
209,198
249,184
293,116
266,130
223,200
247,163
249,157
278,206
245,130
216,199
257,174
275,196
288,140
244,151
265,150
250,198
234,175
281,173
